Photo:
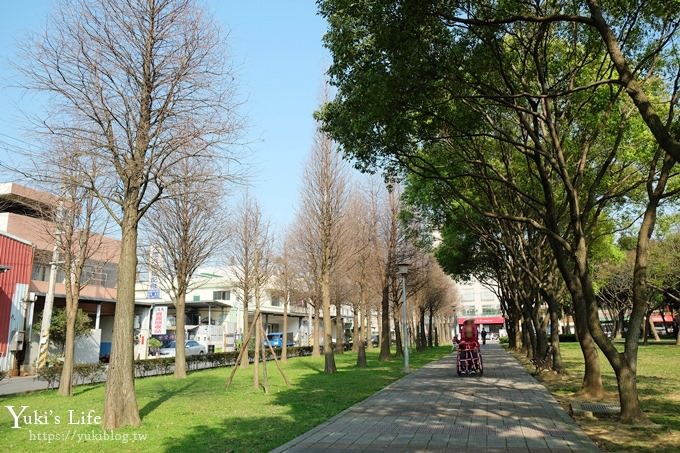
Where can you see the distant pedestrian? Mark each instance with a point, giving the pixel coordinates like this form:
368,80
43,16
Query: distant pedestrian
483,336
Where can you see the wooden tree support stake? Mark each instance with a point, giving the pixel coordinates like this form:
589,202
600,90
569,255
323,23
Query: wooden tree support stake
276,361
244,348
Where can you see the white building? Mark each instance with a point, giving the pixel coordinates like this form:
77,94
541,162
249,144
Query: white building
214,313
479,302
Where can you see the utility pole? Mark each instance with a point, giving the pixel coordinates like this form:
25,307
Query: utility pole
49,298
403,270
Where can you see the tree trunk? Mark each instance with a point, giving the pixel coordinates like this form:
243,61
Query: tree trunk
362,337
317,334
385,325
378,317
398,322
628,394
120,403
514,339
618,327
592,378
355,330
265,376
413,334
284,344
526,338
366,333
361,356
557,364
623,366
436,337
540,326
430,331
66,380
256,358
517,335
399,351
180,337
244,357
339,331
422,344
329,356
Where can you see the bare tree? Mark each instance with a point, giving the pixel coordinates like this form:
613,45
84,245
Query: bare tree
262,272
361,226
285,282
341,294
389,235
184,230
142,85
78,223
243,254
324,200
306,267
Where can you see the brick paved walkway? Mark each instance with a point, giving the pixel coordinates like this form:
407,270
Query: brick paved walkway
433,409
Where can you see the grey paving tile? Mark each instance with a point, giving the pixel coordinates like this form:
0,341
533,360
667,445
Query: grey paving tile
433,409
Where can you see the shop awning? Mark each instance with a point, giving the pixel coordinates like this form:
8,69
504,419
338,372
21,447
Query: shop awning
483,319
668,317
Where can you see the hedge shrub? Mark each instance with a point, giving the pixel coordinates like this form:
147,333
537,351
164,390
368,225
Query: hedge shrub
50,374
89,373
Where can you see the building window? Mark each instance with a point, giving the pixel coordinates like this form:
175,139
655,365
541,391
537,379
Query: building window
98,273
142,276
276,301
41,272
197,298
272,328
487,295
469,310
221,295
467,295
490,310
94,276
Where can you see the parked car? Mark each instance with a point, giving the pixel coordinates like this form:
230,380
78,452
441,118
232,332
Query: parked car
276,340
191,347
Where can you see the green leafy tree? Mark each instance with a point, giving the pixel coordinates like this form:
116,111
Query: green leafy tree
82,327
537,98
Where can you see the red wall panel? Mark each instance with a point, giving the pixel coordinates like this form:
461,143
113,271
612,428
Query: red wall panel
19,257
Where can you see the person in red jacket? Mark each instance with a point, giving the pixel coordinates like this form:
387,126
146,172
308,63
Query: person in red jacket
468,336
469,359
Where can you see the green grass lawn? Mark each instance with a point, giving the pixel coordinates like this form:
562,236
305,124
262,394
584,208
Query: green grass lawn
659,387
197,414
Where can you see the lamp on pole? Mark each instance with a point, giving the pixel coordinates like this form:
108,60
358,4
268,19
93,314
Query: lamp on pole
403,270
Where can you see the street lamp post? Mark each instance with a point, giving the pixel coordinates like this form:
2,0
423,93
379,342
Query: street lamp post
403,270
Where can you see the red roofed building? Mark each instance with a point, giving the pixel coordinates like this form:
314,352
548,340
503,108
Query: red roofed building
24,216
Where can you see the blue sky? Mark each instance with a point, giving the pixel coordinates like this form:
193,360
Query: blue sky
276,48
